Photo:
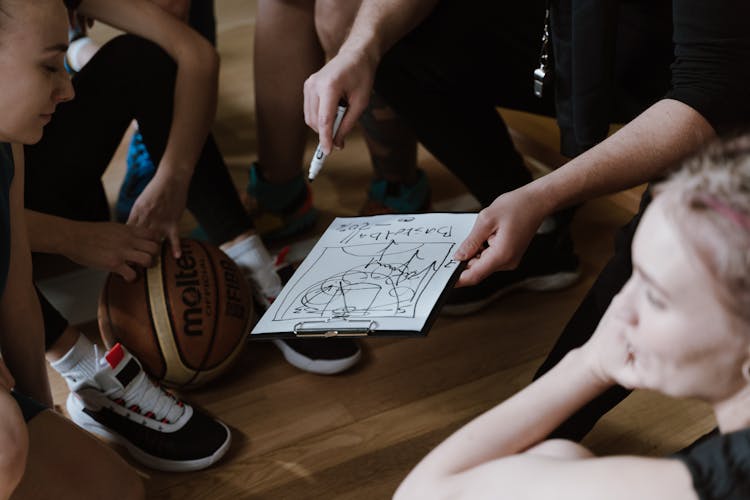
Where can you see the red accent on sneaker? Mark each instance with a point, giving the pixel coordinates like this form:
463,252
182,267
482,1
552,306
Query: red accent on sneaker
135,408
281,256
115,355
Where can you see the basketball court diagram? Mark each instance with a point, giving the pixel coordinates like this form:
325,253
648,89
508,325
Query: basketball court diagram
375,280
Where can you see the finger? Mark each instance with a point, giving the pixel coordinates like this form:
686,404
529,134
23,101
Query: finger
127,272
481,231
326,116
474,275
142,259
145,233
174,240
306,101
313,103
356,107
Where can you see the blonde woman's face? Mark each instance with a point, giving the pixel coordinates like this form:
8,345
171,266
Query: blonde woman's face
33,81
682,339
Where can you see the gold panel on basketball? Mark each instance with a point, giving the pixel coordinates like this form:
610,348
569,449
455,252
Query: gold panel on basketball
185,319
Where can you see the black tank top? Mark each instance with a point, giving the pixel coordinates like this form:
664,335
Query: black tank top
6,176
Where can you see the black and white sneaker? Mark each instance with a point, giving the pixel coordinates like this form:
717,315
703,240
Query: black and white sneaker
319,356
549,264
121,404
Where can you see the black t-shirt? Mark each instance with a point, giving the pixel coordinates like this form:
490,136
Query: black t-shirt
693,51
711,69
720,466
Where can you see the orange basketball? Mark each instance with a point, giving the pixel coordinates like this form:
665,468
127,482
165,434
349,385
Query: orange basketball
185,319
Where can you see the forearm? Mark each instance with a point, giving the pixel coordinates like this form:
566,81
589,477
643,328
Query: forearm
381,23
646,148
516,424
49,233
195,99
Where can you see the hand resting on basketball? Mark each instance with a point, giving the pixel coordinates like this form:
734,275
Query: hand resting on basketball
159,207
111,246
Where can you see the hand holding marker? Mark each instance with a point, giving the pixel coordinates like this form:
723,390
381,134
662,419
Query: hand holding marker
319,157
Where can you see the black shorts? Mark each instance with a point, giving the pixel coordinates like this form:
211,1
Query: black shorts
29,407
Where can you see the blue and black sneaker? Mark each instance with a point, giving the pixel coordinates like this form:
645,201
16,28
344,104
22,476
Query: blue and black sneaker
140,171
279,211
398,198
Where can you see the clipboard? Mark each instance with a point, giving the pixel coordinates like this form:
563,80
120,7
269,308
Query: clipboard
378,276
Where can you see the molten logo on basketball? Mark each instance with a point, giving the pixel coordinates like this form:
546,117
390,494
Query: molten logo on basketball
188,284
185,319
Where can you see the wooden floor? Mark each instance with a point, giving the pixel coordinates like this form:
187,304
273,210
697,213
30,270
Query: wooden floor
356,435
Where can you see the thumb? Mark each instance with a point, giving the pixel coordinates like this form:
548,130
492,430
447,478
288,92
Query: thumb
481,231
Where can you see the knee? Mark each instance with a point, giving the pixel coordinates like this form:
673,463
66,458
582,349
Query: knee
560,448
14,446
333,20
126,52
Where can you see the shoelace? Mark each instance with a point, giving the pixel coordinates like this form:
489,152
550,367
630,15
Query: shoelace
147,398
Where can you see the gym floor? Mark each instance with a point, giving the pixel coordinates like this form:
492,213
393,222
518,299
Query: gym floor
356,435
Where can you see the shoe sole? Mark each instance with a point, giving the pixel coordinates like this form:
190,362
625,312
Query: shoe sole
317,366
83,420
550,283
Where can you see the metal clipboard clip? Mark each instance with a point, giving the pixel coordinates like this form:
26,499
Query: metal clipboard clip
363,328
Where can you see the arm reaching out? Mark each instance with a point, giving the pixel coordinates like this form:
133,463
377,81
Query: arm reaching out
646,148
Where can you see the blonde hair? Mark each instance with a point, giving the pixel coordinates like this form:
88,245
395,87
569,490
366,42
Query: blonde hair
708,199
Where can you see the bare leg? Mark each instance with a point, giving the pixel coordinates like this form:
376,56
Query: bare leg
14,444
63,344
392,145
65,462
286,53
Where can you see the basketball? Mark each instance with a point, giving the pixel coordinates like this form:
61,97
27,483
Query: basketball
185,319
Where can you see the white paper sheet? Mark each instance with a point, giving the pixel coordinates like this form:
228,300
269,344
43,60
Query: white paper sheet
384,272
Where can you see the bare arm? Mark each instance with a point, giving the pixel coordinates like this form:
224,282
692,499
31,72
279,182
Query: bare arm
101,245
486,458
646,148
350,74
21,325
194,101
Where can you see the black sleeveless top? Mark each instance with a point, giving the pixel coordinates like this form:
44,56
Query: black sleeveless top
6,176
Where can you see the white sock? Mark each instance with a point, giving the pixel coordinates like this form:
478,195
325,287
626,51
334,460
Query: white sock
78,363
252,257
74,51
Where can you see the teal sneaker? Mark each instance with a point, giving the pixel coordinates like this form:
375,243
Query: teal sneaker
279,211
140,171
396,198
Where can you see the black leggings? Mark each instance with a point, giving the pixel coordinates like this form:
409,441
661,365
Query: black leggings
129,78
446,78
